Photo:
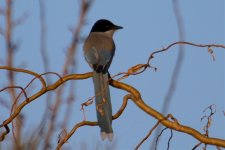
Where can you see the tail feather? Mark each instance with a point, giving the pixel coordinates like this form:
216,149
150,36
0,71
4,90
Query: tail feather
103,104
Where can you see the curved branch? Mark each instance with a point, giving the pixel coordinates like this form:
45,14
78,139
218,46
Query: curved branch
184,43
136,98
43,91
88,123
83,123
140,68
152,129
27,72
147,136
122,108
16,87
167,123
3,134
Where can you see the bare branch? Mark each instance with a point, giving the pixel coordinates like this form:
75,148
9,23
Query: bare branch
65,139
16,87
184,43
43,91
85,4
25,71
134,95
140,68
88,123
123,106
169,116
212,109
157,139
136,98
3,134
167,123
197,145
147,136
171,136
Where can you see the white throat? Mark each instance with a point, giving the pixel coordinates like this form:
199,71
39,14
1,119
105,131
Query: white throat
110,33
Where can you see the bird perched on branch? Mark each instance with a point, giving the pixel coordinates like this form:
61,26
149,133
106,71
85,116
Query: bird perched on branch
99,49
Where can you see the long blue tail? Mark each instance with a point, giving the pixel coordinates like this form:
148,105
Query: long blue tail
103,104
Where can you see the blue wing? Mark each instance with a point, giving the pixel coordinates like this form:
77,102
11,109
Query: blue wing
99,59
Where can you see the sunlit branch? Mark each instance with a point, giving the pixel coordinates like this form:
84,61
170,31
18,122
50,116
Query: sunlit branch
167,123
43,91
88,123
140,68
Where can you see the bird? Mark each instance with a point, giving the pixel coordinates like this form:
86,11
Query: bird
99,49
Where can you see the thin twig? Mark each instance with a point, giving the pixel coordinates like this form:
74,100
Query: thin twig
212,109
67,136
153,128
156,142
171,136
3,134
137,100
88,123
174,124
147,136
140,68
197,145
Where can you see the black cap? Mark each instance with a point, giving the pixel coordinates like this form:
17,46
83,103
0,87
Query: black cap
104,25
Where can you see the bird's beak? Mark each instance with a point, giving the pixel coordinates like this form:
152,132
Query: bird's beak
116,27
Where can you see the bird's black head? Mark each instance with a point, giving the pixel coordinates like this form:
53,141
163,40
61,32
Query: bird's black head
104,25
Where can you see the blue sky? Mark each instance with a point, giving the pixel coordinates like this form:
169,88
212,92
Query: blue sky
148,26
